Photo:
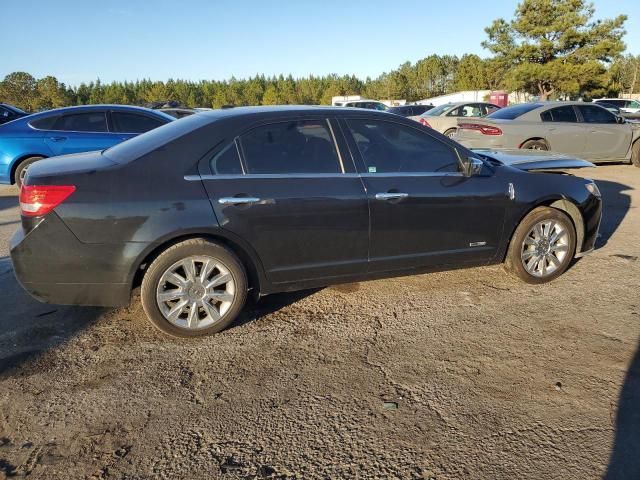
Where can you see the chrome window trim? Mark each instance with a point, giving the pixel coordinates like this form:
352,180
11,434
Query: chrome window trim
193,178
335,145
71,131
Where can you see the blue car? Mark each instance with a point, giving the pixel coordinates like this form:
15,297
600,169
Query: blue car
69,130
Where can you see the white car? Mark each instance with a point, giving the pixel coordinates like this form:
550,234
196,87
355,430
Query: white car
625,105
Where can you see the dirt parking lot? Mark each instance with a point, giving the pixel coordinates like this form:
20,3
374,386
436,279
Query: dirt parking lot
464,374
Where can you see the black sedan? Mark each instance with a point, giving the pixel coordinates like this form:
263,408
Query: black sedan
203,211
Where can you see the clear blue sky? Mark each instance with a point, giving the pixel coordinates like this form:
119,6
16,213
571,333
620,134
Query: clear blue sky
77,40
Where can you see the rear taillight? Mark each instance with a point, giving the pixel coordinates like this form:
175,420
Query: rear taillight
37,200
424,122
483,129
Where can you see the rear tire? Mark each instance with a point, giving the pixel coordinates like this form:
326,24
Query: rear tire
635,154
21,169
535,145
542,247
451,132
194,288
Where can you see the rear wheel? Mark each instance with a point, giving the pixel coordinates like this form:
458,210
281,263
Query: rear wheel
21,169
542,246
635,154
535,145
451,132
194,288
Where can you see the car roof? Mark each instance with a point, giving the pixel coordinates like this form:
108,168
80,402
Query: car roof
84,108
287,110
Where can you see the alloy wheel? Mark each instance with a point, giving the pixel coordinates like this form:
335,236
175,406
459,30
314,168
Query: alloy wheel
195,292
545,248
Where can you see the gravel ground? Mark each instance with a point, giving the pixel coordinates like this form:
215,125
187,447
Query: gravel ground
463,374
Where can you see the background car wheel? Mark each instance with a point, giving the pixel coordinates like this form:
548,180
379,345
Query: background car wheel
451,132
542,246
535,145
194,288
21,169
635,153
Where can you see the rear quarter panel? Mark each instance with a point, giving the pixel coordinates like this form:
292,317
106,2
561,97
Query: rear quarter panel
16,146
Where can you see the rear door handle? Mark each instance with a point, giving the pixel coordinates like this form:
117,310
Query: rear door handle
57,139
238,200
391,196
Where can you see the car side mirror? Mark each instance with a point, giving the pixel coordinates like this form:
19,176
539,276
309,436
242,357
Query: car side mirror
473,166
620,119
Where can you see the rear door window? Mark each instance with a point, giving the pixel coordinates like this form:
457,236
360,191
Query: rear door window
304,146
560,114
593,114
226,161
81,122
126,122
388,147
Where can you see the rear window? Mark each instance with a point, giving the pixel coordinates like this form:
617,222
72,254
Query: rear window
147,142
82,122
513,112
45,123
560,114
125,122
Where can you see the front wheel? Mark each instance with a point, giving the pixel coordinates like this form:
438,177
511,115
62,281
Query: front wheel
194,288
542,246
635,154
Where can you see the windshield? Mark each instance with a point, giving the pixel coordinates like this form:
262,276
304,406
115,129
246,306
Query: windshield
511,113
436,112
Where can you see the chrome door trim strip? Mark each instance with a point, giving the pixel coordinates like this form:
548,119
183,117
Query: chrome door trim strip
193,178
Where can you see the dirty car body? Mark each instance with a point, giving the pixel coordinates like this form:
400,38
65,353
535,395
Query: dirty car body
377,209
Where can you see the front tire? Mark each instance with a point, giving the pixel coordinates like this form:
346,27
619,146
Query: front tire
535,145
635,154
21,169
194,288
542,246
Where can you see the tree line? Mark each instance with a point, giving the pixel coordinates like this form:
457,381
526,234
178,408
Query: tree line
551,49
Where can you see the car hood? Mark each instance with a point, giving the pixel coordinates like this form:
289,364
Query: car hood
534,159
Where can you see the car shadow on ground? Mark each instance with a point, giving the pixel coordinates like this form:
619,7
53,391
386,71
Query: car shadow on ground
624,463
8,201
256,309
616,201
29,328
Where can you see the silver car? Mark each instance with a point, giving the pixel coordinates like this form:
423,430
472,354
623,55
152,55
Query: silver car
582,129
444,118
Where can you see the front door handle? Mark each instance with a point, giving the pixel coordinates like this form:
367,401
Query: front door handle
391,196
57,139
238,200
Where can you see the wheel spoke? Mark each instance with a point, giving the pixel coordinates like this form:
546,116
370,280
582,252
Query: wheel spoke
531,265
177,309
559,248
538,232
557,236
189,266
529,241
169,295
527,254
211,311
218,280
221,296
553,259
207,268
192,319
174,278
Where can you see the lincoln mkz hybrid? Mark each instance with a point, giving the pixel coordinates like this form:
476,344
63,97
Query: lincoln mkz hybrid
202,212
